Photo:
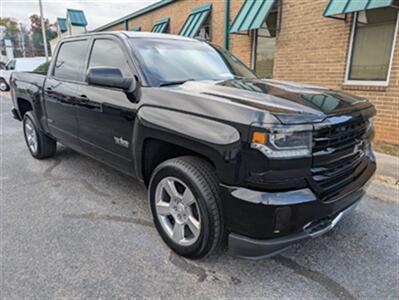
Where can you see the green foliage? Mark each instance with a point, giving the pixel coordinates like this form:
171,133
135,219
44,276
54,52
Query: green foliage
36,29
43,68
12,29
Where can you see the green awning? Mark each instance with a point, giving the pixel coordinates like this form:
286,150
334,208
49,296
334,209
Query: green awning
77,17
160,25
195,20
338,7
62,24
252,14
136,28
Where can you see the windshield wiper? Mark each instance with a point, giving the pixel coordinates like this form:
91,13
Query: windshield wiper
177,82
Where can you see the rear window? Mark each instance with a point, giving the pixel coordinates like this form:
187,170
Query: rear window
70,59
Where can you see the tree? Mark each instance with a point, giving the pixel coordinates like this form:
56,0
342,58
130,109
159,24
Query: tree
27,44
36,30
12,33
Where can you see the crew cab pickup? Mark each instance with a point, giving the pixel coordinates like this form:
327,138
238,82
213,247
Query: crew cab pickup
228,158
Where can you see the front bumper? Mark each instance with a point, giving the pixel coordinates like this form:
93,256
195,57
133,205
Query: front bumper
261,224
245,247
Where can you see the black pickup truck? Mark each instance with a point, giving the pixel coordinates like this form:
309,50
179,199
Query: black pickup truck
228,158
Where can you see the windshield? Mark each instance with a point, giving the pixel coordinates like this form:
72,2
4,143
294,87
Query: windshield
11,65
167,61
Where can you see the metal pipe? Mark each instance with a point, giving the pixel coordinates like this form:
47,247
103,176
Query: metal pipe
226,24
43,31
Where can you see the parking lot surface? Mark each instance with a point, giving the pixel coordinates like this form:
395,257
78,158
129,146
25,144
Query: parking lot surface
74,228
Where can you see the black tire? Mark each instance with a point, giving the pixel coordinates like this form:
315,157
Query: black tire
199,176
4,87
46,146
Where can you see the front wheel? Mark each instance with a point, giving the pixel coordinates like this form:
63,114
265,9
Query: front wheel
39,145
186,207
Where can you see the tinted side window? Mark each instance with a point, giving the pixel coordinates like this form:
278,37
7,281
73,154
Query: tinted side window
107,53
70,59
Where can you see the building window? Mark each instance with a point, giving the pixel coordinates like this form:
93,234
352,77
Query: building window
264,47
198,23
372,46
204,31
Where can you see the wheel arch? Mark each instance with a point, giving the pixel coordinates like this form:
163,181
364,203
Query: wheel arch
161,134
155,151
23,106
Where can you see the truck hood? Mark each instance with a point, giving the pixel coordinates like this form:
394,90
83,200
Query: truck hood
290,102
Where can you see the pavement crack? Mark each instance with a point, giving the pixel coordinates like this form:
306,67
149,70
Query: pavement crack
48,173
187,267
100,217
325,281
92,189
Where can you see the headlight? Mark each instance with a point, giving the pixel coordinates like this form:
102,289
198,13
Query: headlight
283,141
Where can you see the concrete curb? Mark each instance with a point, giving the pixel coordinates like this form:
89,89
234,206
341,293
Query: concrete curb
387,165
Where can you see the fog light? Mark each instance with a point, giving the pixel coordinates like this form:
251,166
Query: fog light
282,219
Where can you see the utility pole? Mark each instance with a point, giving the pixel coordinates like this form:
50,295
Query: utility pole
22,38
43,30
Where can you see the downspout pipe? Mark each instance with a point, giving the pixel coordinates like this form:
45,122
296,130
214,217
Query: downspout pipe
226,24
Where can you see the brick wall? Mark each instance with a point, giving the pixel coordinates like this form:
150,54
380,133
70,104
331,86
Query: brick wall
310,48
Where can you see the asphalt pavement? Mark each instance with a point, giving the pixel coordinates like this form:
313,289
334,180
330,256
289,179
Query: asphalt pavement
74,228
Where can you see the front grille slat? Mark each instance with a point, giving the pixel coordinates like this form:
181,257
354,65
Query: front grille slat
338,136
337,159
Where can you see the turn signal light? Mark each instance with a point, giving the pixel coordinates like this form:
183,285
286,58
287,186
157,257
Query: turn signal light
258,137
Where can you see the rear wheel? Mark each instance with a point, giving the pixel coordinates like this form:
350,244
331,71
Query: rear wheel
3,85
39,145
185,205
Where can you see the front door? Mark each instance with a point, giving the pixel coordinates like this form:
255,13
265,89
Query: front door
105,115
61,91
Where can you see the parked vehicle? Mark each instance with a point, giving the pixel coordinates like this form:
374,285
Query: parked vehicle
226,157
18,65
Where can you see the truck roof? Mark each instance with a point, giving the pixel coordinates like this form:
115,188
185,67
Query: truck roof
135,34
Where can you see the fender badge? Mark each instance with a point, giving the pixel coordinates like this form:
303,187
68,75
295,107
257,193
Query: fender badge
121,142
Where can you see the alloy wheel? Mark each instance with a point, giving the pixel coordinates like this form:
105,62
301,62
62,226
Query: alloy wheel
31,135
178,211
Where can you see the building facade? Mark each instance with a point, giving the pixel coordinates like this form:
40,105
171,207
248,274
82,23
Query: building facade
74,23
349,45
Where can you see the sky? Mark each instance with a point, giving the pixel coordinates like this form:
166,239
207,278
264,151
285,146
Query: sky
98,12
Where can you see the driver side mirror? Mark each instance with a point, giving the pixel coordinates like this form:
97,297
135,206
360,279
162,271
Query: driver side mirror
110,77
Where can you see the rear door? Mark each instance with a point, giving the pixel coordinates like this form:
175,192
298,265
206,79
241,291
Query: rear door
106,115
61,91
